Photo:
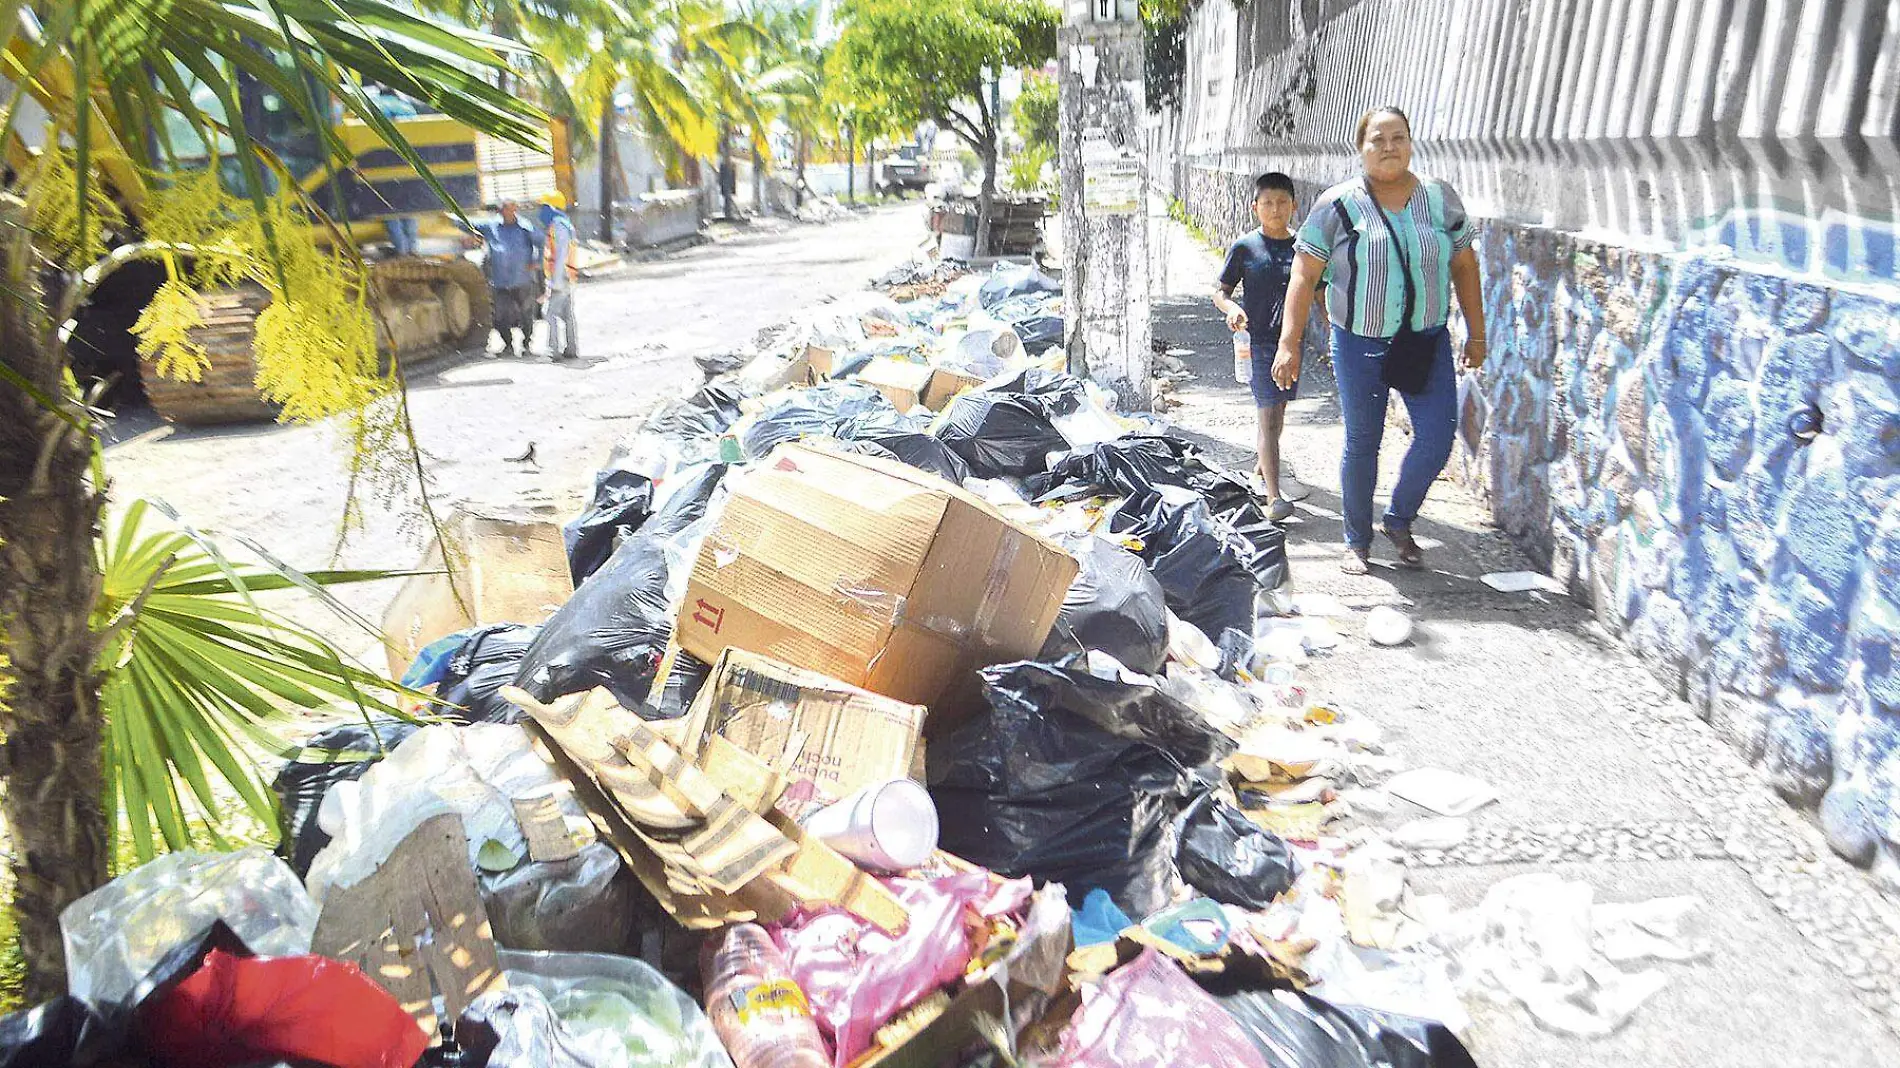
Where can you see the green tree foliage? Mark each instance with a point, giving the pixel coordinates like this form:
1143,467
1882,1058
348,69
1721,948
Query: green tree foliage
1036,112
932,61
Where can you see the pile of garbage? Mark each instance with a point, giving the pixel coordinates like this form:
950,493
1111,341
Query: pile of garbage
895,700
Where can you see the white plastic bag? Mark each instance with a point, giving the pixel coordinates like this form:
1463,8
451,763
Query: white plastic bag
116,934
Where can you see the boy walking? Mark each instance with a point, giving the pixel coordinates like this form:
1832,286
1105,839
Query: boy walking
1261,264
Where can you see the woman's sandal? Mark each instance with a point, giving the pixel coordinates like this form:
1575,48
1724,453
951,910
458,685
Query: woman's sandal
1356,562
1410,555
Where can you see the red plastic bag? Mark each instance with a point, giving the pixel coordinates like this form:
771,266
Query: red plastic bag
1149,1014
241,1010
858,978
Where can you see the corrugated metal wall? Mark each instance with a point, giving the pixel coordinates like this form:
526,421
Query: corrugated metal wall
1769,127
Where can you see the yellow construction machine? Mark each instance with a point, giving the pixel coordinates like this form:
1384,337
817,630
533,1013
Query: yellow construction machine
428,300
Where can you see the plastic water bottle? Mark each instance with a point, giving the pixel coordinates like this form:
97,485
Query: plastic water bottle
1243,357
758,1011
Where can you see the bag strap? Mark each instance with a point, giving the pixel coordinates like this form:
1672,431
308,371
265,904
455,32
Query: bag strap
1405,266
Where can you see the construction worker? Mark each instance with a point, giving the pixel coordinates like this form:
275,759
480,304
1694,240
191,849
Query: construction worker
562,263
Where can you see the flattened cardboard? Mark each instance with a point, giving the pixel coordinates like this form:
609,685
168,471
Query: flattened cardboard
417,925
874,573
945,384
510,567
902,382
852,737
769,371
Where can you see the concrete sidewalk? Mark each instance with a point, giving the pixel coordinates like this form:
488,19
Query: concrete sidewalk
1604,776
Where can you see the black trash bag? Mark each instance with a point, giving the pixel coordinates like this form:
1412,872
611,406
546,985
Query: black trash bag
62,1033
915,447
708,413
1115,604
622,501
1039,334
1004,432
1236,653
340,754
1207,570
1012,281
1230,858
614,630
1294,1029
1073,779
477,671
815,412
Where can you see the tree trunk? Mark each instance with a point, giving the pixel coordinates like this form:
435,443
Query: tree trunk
986,197
728,180
609,168
851,164
798,186
758,179
49,515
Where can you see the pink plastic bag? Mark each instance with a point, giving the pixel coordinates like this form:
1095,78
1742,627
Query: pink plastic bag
858,978
1149,1014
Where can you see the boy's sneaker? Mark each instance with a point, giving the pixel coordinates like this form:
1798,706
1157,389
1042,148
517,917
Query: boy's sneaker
1280,510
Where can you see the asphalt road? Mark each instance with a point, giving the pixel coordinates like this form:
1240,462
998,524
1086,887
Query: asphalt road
285,486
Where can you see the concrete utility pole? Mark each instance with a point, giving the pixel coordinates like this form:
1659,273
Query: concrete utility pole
1104,198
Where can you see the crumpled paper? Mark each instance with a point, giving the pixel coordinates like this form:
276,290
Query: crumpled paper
1542,940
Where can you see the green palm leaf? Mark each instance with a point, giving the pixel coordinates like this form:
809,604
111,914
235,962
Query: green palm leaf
201,681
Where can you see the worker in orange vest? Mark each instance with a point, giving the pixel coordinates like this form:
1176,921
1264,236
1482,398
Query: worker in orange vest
562,264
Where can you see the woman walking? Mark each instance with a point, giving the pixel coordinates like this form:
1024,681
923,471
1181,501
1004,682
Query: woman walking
1391,247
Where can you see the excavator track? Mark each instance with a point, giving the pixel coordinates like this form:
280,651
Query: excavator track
423,308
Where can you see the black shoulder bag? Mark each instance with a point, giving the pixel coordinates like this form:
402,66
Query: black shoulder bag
1407,366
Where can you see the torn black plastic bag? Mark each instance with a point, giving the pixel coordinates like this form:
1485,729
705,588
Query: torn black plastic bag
908,441
614,630
1039,334
622,501
476,672
1073,778
708,413
62,1033
1010,430
816,412
1126,466
1115,605
1293,1029
1209,572
340,754
1230,858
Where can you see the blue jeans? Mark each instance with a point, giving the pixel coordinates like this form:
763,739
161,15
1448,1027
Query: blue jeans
1362,403
404,233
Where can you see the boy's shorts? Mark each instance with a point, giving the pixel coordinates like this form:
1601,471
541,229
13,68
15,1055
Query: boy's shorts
1266,392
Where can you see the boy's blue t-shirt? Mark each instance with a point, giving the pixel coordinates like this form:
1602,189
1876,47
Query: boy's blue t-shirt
1261,266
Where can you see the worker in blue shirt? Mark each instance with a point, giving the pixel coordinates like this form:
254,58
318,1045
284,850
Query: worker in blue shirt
512,255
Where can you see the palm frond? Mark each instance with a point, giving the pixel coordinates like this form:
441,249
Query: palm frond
200,680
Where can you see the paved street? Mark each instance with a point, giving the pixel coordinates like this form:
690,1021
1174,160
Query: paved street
639,328
1603,776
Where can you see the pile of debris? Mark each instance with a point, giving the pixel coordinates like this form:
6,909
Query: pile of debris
894,701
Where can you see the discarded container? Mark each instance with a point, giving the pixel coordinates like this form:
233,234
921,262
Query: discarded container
1386,625
887,827
902,382
759,1012
1243,357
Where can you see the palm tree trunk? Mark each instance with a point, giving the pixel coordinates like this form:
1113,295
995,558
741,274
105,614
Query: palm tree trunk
728,180
609,168
758,179
49,515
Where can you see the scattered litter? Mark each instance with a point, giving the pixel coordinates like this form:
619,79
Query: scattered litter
1521,582
1448,793
1541,940
1439,832
1388,626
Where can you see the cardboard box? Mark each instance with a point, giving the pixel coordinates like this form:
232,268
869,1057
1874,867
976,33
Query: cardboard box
847,738
768,371
511,567
945,384
821,360
901,381
874,573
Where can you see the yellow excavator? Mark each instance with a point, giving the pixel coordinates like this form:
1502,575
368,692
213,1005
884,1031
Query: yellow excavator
428,297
